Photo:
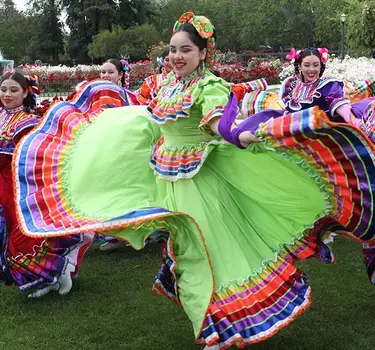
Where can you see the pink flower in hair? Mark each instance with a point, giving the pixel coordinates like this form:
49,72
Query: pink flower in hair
323,52
9,71
293,55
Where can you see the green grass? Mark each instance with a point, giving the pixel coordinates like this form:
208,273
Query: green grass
111,307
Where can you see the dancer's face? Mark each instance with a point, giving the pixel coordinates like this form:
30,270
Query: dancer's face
310,68
12,94
184,55
109,72
167,66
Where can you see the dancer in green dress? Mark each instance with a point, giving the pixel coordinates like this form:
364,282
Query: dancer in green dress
234,220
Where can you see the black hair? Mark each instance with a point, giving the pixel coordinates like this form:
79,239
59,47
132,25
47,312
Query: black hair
120,68
309,51
165,53
194,35
29,100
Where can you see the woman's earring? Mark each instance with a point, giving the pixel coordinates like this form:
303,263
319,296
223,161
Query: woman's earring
201,65
300,75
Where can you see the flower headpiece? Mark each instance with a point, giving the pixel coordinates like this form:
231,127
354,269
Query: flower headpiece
33,89
323,53
125,66
159,61
295,55
205,29
9,71
126,69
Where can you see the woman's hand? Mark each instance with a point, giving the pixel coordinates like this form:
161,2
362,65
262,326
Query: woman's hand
235,135
246,137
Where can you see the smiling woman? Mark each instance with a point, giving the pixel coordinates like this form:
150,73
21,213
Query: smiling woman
307,88
235,221
29,263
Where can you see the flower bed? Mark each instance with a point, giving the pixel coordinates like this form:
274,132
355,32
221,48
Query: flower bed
60,81
255,69
56,80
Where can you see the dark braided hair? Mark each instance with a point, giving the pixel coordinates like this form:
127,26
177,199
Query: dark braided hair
194,35
310,51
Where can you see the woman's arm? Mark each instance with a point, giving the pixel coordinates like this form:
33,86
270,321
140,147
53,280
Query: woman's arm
345,111
245,137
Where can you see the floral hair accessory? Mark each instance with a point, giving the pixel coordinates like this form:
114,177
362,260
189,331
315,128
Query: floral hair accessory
125,66
159,61
33,89
9,71
33,84
205,29
293,55
323,53
126,69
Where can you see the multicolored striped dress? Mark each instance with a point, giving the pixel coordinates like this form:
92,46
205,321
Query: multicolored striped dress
235,220
149,88
28,262
327,93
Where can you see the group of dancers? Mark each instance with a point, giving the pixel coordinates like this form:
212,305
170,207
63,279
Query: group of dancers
237,200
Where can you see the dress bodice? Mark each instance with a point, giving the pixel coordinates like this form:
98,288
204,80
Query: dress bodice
326,93
183,108
13,123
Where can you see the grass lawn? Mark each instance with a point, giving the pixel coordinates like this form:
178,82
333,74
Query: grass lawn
111,307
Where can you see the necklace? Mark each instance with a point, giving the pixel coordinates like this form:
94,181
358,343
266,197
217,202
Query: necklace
6,116
15,110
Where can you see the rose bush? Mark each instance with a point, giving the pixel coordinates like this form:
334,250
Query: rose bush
60,81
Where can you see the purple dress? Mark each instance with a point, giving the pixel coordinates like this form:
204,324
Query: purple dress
326,93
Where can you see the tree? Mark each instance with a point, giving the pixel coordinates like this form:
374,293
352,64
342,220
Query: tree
134,42
247,24
168,11
107,44
360,25
16,33
86,18
48,40
7,10
131,13
138,39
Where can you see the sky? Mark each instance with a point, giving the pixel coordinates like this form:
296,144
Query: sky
20,4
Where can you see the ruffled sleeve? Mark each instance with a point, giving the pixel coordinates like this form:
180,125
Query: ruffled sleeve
131,98
144,93
213,98
363,90
22,123
23,126
333,93
287,88
243,88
